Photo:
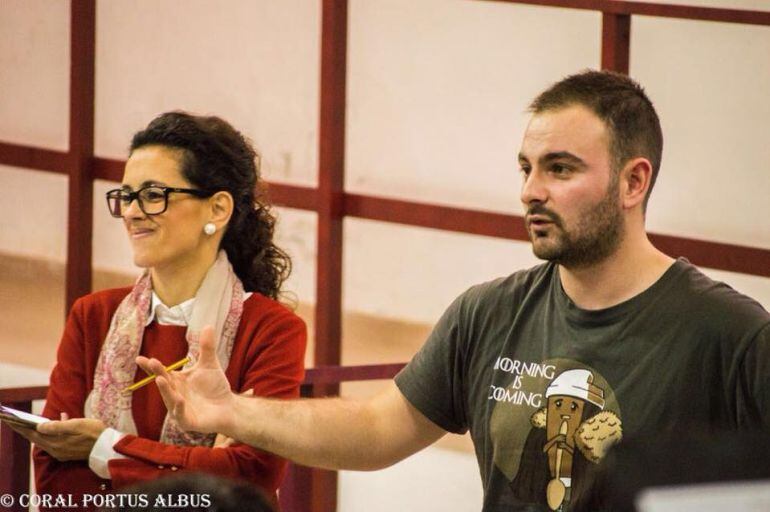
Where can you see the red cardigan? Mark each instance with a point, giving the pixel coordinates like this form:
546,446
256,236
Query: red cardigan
267,356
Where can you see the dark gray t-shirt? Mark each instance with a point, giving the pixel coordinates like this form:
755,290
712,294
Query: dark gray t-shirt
546,387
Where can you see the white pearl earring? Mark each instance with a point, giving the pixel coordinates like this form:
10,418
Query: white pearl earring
210,228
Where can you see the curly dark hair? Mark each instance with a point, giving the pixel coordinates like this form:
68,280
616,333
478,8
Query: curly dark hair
216,157
619,101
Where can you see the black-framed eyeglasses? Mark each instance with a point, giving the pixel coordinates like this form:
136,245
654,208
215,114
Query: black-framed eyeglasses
153,199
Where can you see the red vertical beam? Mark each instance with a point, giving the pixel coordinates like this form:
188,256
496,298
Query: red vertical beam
616,42
14,471
295,493
81,148
331,179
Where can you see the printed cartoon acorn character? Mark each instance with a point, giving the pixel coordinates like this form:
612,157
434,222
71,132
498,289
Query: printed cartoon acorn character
574,416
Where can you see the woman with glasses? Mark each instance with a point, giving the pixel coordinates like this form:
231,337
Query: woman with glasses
205,242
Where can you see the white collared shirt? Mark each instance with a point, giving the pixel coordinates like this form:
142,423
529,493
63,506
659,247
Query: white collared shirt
174,315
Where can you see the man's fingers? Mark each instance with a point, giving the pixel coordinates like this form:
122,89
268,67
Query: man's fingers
151,366
179,408
142,363
208,356
174,400
167,392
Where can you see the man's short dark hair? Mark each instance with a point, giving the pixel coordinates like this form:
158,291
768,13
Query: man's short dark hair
619,101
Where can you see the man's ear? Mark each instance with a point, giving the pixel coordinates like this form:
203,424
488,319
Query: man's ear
221,205
635,181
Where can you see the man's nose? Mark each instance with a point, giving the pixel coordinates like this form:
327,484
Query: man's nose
533,188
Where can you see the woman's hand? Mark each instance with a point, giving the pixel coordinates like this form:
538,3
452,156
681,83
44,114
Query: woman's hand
200,398
67,439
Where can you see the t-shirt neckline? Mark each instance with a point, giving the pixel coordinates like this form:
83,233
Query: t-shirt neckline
593,317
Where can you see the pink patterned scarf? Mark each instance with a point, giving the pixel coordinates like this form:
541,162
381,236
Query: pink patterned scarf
218,302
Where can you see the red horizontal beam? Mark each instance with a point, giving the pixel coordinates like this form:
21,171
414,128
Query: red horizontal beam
720,256
733,258
446,218
108,169
16,395
338,374
293,196
280,194
30,157
686,12
313,376
716,255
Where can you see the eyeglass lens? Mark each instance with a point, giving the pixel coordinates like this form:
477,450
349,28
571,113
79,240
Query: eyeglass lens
152,201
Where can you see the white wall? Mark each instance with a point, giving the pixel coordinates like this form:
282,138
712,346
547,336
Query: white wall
437,91
432,480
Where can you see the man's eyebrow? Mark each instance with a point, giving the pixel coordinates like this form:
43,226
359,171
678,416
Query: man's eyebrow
523,158
562,155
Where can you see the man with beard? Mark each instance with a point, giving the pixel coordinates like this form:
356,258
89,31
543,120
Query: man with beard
670,349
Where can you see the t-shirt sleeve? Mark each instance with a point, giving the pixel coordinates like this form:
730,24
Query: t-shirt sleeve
754,388
434,379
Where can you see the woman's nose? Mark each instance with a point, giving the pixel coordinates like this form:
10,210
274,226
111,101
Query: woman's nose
132,209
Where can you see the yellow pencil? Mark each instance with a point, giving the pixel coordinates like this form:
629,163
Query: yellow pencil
170,368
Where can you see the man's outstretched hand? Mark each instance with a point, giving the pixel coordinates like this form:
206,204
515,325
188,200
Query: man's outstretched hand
199,398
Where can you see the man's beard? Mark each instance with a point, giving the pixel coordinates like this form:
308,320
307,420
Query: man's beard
596,235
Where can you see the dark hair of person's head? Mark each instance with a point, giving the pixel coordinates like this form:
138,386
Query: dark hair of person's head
627,112
216,157
192,491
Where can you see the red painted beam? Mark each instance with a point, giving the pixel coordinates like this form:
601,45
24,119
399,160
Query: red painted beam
331,179
108,169
337,374
81,149
14,471
8,395
661,10
721,256
716,255
616,42
280,194
446,218
14,449
322,495
292,196
29,157
733,258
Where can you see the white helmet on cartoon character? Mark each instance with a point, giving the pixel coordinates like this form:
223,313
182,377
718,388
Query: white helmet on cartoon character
579,384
